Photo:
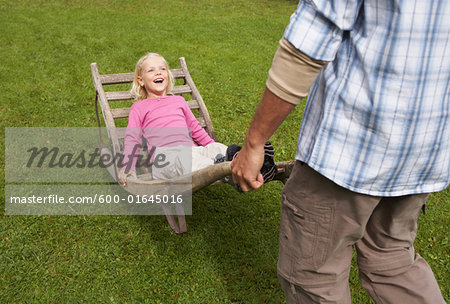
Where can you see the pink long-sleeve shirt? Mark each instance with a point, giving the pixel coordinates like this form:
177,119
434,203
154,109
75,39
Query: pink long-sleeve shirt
164,122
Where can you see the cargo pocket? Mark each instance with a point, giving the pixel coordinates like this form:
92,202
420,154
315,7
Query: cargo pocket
305,234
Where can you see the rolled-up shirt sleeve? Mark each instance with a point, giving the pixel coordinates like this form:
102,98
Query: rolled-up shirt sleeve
317,27
292,73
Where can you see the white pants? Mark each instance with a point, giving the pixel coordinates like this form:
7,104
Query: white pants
181,160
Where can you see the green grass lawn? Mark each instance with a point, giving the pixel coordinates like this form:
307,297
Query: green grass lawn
230,251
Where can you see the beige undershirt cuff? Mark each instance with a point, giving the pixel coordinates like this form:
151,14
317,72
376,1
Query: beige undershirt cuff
292,73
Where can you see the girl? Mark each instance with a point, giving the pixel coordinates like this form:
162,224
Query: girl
166,122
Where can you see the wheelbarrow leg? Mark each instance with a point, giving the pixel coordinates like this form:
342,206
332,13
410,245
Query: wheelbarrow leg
179,227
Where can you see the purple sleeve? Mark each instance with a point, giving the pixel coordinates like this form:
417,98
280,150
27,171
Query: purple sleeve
199,134
132,140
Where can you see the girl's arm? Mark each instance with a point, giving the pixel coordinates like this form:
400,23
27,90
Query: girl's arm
199,134
132,142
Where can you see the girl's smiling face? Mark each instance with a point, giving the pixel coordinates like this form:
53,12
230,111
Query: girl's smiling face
154,77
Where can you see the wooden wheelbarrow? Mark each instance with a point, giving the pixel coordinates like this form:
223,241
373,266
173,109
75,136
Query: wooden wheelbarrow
109,100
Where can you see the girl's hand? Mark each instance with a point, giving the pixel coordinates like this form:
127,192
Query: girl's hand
123,176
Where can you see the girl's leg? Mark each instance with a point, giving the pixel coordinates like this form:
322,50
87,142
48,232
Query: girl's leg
211,150
177,161
203,157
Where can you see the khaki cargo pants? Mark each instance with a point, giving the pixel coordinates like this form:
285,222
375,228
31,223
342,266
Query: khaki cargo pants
320,224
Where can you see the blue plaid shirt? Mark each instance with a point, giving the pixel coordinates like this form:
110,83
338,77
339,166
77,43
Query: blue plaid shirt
377,117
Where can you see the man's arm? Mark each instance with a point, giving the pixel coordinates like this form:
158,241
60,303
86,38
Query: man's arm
270,113
290,78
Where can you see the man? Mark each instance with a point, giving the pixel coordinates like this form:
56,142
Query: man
374,142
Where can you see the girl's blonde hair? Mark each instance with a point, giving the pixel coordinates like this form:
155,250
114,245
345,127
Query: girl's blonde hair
138,92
